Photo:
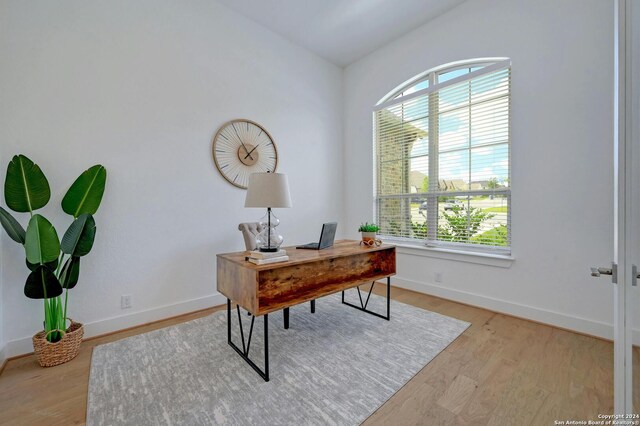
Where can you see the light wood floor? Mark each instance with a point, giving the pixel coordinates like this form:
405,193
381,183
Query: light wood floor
502,370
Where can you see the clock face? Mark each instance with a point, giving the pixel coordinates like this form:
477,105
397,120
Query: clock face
242,147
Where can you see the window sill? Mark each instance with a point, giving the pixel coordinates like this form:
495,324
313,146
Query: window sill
489,259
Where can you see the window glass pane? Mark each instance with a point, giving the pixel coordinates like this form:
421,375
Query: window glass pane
392,178
453,129
489,86
490,167
403,217
419,218
418,128
453,220
419,174
415,109
421,85
398,140
474,220
420,147
448,75
391,219
490,213
387,150
392,146
452,97
490,122
454,171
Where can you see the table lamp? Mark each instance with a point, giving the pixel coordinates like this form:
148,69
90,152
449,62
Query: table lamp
270,190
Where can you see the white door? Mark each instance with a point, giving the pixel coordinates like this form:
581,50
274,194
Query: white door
624,272
626,209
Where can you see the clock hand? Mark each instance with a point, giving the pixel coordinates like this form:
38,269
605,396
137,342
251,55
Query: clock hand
249,153
242,143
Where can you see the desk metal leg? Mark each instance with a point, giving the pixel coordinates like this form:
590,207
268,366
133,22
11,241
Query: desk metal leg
244,352
363,305
285,312
313,306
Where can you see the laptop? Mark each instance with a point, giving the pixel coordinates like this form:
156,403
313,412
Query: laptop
327,236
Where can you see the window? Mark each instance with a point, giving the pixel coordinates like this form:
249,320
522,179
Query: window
442,144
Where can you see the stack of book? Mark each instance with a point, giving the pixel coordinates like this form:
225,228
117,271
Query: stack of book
266,257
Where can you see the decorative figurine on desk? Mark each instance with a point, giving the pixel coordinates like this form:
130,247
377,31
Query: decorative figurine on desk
270,190
369,236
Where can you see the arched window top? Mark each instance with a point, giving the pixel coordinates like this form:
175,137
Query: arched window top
437,75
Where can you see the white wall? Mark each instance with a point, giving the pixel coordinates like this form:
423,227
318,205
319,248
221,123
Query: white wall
562,79
142,87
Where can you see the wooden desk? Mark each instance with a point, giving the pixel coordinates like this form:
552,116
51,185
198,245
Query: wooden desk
308,275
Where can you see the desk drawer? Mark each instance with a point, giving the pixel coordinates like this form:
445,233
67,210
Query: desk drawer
289,285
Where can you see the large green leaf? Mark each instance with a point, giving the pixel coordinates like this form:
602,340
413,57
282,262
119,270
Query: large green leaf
26,188
78,239
11,225
70,273
51,265
85,194
41,243
42,284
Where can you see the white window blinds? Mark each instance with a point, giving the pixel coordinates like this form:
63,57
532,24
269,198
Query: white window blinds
443,159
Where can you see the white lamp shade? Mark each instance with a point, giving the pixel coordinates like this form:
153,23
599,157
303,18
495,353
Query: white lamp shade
268,190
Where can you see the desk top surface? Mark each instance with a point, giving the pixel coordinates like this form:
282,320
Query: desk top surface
340,248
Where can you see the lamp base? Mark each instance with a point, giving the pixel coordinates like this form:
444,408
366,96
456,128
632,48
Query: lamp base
268,249
268,241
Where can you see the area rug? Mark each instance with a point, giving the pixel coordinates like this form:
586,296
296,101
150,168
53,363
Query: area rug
333,367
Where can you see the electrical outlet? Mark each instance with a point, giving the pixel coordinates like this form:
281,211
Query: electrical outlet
126,301
438,277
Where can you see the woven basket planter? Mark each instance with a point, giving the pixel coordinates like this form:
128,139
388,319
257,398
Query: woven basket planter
368,236
370,239
49,354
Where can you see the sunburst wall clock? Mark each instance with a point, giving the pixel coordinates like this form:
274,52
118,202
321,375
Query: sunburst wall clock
242,147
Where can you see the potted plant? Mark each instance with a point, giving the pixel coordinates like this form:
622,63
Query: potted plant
368,231
54,263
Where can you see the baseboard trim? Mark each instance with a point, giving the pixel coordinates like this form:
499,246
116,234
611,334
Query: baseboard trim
572,323
24,346
19,347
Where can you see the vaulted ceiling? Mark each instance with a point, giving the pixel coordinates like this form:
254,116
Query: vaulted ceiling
341,31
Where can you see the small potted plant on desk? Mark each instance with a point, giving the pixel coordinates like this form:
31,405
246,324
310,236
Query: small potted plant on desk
54,263
369,234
